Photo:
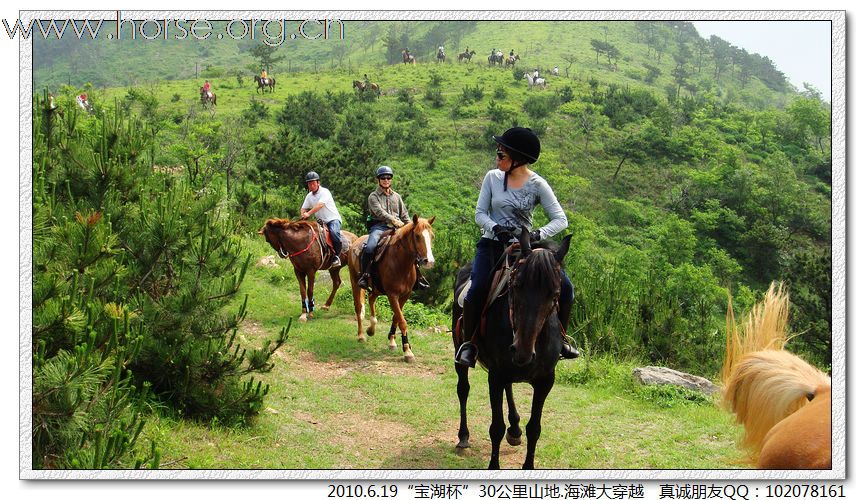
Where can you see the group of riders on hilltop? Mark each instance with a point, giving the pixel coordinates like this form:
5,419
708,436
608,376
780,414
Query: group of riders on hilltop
509,193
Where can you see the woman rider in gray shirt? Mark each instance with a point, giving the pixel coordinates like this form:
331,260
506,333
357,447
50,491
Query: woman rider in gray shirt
508,196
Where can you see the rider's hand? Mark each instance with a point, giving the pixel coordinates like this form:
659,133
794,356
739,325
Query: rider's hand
535,236
398,223
503,234
304,214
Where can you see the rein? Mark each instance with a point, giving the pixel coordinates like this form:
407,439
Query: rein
311,241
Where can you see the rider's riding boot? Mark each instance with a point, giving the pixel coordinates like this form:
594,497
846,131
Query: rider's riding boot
363,281
568,351
420,282
467,354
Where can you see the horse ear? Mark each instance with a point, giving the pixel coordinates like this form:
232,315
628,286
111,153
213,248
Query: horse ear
432,219
525,245
563,249
414,219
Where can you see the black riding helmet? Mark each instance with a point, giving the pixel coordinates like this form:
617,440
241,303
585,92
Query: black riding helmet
312,176
383,170
522,141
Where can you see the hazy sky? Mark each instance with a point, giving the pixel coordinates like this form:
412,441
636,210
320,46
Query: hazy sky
802,50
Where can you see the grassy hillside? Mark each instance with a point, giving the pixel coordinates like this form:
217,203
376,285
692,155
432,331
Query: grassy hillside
686,168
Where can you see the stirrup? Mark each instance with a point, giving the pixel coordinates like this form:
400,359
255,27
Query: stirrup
363,282
335,262
568,350
466,355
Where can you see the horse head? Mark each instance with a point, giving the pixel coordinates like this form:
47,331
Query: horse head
535,285
421,232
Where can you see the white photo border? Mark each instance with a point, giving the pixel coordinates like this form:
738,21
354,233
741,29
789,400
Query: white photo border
839,270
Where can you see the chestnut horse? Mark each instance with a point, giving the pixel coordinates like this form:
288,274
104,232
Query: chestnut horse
408,58
783,402
520,342
394,277
301,242
359,85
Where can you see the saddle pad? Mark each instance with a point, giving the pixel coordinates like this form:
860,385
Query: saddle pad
382,245
461,296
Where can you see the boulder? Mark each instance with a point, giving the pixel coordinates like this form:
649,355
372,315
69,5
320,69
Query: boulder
659,375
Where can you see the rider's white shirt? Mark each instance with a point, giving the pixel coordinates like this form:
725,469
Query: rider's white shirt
328,212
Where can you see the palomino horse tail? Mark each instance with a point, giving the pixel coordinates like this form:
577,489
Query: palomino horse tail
764,384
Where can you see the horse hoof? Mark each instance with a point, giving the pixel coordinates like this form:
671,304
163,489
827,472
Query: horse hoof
514,440
302,318
463,445
409,358
361,339
391,347
325,308
370,332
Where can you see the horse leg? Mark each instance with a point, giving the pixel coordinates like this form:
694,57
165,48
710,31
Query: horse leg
497,424
463,388
542,388
301,281
335,279
310,292
396,303
514,433
357,297
370,330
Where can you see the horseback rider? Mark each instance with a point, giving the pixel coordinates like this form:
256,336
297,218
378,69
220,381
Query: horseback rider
535,76
511,55
508,196
556,70
264,79
206,88
441,50
365,82
319,202
387,211
82,101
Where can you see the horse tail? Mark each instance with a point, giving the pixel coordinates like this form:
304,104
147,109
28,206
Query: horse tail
763,383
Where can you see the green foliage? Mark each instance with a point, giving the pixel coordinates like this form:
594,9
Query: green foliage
672,396
131,268
310,114
540,106
256,112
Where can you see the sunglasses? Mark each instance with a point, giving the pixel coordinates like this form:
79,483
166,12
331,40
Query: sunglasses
385,177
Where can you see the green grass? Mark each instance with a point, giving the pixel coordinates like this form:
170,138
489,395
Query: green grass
335,403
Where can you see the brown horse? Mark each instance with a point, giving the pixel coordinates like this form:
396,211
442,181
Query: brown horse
301,242
270,83
512,60
466,55
207,97
359,85
408,58
395,277
783,402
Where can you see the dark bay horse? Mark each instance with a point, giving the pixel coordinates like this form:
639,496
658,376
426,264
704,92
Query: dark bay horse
262,84
395,277
521,342
496,58
784,403
466,55
440,56
207,97
301,242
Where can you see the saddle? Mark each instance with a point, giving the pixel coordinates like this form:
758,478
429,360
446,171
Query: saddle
327,242
498,287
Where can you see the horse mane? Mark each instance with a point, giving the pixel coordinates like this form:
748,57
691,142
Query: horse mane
285,224
763,383
539,270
